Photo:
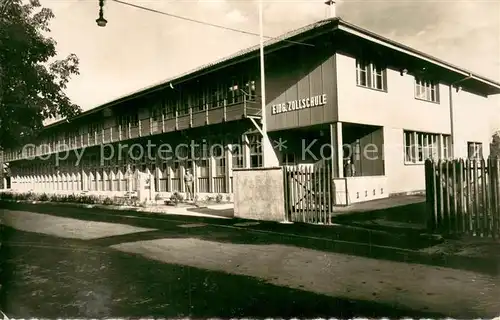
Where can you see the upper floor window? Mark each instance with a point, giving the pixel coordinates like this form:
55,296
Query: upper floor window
250,90
132,119
234,93
426,90
475,150
371,75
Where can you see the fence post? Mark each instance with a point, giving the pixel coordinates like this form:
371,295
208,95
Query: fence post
285,189
475,201
496,211
455,195
430,195
461,204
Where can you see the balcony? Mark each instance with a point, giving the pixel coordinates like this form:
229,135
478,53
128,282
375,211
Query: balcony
149,126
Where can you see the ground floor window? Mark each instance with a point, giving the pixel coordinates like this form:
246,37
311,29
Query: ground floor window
474,150
255,144
420,146
237,153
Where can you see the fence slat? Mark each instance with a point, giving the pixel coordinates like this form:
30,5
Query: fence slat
455,195
468,217
323,196
314,195
430,189
475,181
461,204
296,181
330,193
496,215
286,195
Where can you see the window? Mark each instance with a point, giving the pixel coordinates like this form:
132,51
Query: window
170,107
475,150
250,90
447,148
184,105
237,153
156,112
426,90
420,146
234,93
220,158
203,168
255,143
176,169
125,120
371,75
377,77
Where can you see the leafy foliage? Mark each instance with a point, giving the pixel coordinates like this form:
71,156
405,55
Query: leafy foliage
495,145
32,84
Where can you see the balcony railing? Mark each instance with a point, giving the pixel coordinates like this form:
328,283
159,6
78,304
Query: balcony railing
150,126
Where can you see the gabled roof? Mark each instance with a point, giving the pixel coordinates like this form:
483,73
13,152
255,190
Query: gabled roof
334,23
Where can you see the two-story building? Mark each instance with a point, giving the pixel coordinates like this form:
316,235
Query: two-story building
333,91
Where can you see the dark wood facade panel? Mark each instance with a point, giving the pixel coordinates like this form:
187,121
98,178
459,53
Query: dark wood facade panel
156,127
184,122
298,82
235,112
145,127
216,116
366,145
170,125
199,118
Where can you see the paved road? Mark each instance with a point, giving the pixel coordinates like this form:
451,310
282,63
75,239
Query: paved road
86,263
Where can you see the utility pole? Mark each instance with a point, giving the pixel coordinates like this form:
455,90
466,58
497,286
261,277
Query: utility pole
262,71
269,158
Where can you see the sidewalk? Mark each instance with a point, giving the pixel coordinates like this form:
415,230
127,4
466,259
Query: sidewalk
269,254
341,238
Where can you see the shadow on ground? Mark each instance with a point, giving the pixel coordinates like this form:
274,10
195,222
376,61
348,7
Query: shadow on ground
408,218
337,238
49,277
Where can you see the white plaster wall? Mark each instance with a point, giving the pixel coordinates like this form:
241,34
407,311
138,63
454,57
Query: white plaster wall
475,118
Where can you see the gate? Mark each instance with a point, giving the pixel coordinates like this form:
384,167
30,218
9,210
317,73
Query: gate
309,194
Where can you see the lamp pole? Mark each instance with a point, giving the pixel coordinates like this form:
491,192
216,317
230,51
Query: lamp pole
262,71
265,145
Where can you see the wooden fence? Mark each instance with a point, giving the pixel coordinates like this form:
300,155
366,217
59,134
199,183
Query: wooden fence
309,194
463,197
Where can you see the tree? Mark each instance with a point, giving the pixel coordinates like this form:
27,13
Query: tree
32,82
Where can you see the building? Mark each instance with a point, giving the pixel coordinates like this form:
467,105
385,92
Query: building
333,90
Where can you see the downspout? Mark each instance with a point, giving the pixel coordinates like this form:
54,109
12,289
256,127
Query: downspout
452,127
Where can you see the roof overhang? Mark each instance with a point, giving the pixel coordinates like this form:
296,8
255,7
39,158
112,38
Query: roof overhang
274,44
493,87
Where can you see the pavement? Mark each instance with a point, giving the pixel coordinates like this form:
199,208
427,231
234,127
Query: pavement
61,261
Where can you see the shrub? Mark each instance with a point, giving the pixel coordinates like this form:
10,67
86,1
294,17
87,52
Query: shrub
218,198
107,201
176,197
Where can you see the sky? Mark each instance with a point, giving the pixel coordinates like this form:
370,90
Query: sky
139,48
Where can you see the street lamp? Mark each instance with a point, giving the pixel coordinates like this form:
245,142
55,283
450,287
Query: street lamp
101,22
